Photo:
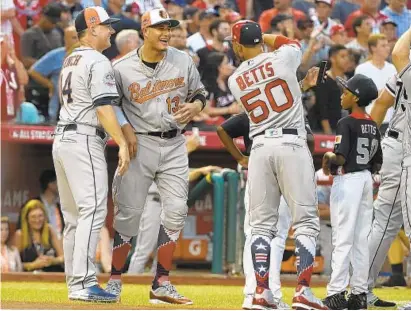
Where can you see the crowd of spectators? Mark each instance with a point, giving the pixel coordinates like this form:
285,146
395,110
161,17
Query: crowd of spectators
353,35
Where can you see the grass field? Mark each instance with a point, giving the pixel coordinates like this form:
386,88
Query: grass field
36,295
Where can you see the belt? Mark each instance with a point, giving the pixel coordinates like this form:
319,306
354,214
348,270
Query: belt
73,127
393,134
164,135
284,131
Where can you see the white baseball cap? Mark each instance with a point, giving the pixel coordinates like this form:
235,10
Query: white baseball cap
329,2
157,17
92,16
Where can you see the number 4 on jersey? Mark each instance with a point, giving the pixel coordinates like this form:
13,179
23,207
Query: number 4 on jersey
66,90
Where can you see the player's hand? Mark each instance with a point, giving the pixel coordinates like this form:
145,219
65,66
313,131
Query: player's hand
210,169
187,112
310,79
244,162
327,163
131,139
123,159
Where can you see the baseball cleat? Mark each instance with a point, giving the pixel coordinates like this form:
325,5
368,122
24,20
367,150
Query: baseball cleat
281,305
92,294
114,287
395,281
263,300
304,299
167,293
374,301
406,306
336,301
248,302
357,302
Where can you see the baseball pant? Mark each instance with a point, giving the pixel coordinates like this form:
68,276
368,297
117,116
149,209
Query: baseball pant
82,181
406,199
387,208
276,254
147,235
325,243
351,218
280,165
163,161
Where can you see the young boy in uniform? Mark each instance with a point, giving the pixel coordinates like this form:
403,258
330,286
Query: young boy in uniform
357,154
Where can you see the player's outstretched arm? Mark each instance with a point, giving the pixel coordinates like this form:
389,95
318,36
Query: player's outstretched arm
384,101
108,120
401,51
231,147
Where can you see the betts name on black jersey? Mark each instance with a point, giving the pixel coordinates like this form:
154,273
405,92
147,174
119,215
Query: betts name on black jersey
358,140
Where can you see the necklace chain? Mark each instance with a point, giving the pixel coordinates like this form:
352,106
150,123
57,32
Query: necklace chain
150,73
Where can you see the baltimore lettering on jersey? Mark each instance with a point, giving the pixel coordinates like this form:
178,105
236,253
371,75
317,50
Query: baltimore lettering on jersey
266,71
140,94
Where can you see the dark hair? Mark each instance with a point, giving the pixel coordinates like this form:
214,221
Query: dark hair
210,75
358,22
215,25
334,49
47,177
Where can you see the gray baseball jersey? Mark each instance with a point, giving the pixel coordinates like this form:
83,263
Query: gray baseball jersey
149,103
86,77
395,87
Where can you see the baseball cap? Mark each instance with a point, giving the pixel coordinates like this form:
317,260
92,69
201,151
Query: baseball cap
389,21
53,12
329,2
362,87
133,8
246,32
157,17
336,29
233,17
92,16
209,13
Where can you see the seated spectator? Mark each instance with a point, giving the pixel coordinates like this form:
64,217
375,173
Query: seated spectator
13,79
37,242
283,24
200,39
126,41
324,9
362,29
325,114
338,35
46,71
397,12
175,8
215,81
280,7
313,45
379,70
49,197
10,257
389,30
103,251
370,8
36,42
219,30
343,8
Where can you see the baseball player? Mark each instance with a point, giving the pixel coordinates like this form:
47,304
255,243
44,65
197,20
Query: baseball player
87,91
160,93
357,153
280,161
238,126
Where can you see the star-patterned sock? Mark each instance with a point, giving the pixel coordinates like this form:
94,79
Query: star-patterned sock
305,252
121,247
260,252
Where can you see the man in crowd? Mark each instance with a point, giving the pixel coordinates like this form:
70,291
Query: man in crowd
399,14
280,7
362,26
126,41
370,8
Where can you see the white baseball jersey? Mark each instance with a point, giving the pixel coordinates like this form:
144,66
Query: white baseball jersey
86,77
150,102
267,87
405,77
396,88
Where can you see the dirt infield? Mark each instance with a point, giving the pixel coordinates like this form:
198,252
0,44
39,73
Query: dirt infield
178,278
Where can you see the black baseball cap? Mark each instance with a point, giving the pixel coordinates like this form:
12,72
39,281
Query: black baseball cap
389,21
246,32
92,16
210,13
362,87
53,12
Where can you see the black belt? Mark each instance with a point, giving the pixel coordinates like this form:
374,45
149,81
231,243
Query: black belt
167,135
285,131
73,127
393,134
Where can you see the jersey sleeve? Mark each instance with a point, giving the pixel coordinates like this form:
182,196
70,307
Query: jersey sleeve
237,126
102,83
391,85
291,52
195,87
342,139
119,86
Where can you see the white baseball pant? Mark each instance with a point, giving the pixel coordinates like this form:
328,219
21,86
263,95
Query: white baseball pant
351,219
406,199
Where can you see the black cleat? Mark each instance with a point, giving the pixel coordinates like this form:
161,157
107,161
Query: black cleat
394,281
336,301
357,302
375,302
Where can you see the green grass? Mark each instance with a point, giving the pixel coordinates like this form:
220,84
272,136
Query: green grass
204,297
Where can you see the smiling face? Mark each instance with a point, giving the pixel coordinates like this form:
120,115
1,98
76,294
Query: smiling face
36,219
158,36
103,34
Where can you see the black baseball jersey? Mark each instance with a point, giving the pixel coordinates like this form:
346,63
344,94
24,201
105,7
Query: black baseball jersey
239,126
358,140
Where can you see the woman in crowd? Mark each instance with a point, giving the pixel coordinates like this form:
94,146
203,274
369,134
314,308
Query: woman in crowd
10,257
39,247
